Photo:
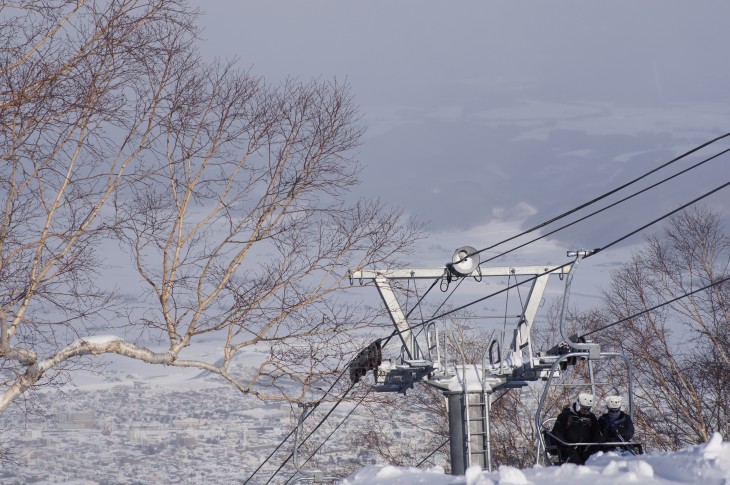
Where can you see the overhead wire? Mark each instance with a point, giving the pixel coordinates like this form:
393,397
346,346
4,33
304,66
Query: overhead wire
339,400
338,426
292,431
620,201
586,204
603,209
682,207
603,196
555,268
656,307
433,452
329,413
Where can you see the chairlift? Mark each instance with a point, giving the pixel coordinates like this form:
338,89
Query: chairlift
550,448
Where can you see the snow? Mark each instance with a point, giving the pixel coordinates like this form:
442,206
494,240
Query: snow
100,339
707,463
94,340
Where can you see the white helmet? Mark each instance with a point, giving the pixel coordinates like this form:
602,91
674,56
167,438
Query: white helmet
585,400
613,402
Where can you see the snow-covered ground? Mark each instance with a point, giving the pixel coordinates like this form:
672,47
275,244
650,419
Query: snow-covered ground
702,464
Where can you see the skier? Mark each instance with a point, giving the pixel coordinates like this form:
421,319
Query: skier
577,424
616,425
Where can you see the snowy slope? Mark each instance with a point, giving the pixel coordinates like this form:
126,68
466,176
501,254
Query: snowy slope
702,464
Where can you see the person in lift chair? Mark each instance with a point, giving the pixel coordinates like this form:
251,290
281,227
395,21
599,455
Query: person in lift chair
616,425
577,424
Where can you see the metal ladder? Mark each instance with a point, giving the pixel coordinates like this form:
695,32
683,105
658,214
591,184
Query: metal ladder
477,428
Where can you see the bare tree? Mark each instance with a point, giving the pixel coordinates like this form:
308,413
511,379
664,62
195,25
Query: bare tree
229,199
680,352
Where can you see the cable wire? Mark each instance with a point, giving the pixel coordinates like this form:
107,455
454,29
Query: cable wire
635,194
433,452
292,431
683,206
329,413
722,152
685,295
603,196
595,251
338,426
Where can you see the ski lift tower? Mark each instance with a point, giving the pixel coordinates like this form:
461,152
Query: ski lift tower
468,389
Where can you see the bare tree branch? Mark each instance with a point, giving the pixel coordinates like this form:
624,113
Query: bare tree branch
229,200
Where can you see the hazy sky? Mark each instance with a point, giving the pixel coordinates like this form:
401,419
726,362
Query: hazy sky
488,116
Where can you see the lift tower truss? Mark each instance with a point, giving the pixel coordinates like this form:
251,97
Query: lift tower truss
467,388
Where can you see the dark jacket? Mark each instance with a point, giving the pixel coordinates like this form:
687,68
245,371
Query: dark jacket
573,427
616,426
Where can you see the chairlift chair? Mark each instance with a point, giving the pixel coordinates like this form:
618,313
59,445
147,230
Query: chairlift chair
550,447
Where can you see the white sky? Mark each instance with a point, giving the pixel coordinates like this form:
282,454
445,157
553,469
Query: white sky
484,114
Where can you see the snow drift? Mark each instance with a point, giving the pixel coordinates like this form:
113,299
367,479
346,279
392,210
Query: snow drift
708,464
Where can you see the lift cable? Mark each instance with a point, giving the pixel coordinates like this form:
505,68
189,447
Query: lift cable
685,295
682,207
367,393
269,457
565,226
602,209
586,204
329,413
603,196
594,252
339,400
550,270
433,452
385,342
292,431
